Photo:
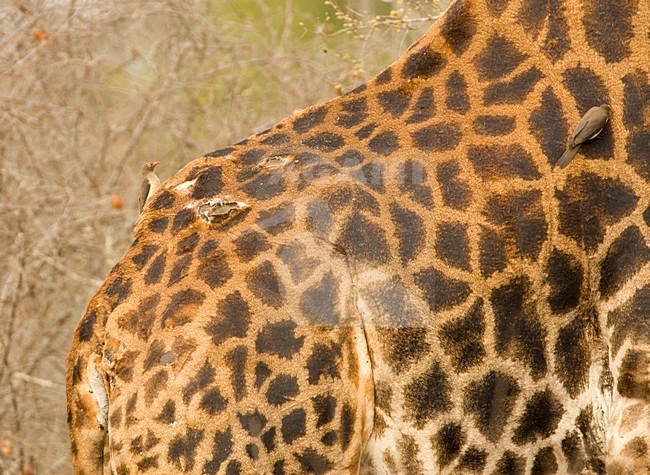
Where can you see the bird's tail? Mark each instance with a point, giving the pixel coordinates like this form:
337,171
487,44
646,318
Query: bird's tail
567,156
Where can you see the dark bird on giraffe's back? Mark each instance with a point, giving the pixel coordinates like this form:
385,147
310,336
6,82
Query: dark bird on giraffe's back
591,124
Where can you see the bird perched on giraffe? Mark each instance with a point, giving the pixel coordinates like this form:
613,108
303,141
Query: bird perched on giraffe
150,183
591,124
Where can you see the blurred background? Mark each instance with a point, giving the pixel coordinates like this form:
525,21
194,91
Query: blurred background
92,89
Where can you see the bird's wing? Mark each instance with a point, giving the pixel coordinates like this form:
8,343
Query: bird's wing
144,192
576,137
590,126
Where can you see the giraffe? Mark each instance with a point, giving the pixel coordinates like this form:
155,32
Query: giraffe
398,280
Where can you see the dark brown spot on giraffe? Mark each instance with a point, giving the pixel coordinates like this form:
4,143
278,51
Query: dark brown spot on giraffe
384,77
124,366
512,91
253,451
147,463
439,291
278,338
265,186
540,418
187,244
589,204
203,378
309,120
265,284
503,161
384,143
394,102
532,16
410,454
282,389
545,462
364,240
409,231
329,438
457,99
347,425
630,320
473,459
158,225
87,326
154,386
518,331
355,112
423,64
448,443
522,217
146,252
494,125
496,7
437,137
347,195
231,319
167,413
452,245
297,258
625,257
183,219
427,395
456,193
324,408
208,183
573,452
155,271
221,152
252,422
236,362
636,448
180,269
120,288
636,96
633,380
213,402
319,217
638,150
365,131
313,462
313,167
548,126
403,346
262,373
129,410
164,199
252,156
182,308
77,370
499,58
221,450
492,252
276,139
350,158
155,351
490,401
573,353
510,464
371,175
140,321
462,338
293,426
276,220
412,179
234,467
213,269
325,142
278,467
564,275
115,419
424,107
608,28
324,362
459,26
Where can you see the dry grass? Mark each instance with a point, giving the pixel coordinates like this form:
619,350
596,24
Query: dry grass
91,89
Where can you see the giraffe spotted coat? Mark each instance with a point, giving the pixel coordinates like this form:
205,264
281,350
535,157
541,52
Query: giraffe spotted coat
398,280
